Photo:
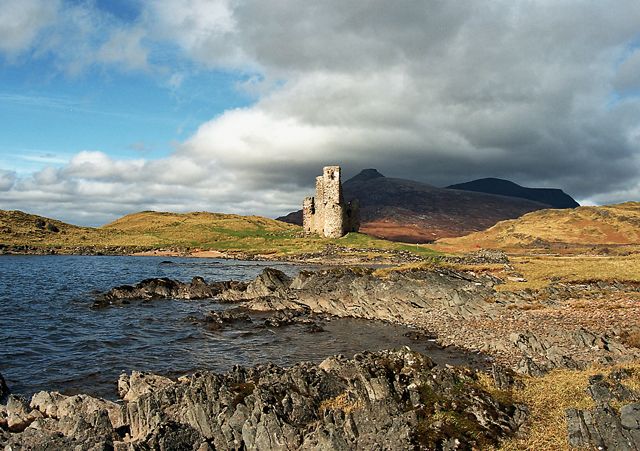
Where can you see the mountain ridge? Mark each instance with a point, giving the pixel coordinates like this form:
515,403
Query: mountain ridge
554,197
411,211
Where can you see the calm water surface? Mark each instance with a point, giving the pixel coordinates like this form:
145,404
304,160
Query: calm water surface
50,339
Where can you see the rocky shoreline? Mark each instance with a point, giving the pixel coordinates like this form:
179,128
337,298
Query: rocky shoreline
458,308
384,400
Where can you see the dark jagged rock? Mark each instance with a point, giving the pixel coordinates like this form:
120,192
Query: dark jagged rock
269,282
383,400
218,320
287,317
504,378
4,390
603,427
164,288
359,293
556,349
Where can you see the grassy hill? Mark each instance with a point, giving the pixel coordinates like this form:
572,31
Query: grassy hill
612,225
148,230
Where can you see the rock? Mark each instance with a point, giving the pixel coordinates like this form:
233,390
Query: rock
314,328
287,317
164,288
481,257
383,400
217,320
504,378
603,427
359,293
269,282
132,387
630,416
19,415
84,407
4,390
528,367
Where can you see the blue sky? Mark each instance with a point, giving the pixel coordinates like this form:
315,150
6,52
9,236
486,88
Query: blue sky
47,119
111,107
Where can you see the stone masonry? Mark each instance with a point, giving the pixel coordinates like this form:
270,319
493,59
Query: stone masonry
327,214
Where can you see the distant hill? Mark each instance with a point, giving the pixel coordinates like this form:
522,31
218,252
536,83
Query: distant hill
17,226
556,198
227,234
410,211
583,226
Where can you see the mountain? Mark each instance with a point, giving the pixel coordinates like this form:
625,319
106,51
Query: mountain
583,226
556,198
410,211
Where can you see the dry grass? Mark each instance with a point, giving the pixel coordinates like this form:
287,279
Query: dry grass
548,397
342,402
611,225
429,265
198,231
540,271
631,338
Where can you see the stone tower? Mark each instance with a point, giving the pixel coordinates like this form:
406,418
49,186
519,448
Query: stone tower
327,214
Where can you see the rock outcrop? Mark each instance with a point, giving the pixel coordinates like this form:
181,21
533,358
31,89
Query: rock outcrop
459,308
360,293
606,427
383,400
164,288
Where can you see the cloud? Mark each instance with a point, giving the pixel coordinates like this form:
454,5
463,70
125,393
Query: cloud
7,180
22,20
543,93
125,47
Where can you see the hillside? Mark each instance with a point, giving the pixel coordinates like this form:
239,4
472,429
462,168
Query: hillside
410,211
612,225
232,235
555,198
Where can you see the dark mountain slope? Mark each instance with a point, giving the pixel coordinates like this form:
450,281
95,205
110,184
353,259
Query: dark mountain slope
550,196
406,210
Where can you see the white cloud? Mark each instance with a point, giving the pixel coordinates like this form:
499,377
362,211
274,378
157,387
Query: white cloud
437,91
22,20
7,180
125,47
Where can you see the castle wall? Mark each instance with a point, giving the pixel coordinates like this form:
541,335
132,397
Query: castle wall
333,220
327,214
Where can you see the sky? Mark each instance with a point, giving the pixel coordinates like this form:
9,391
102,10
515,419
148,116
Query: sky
109,107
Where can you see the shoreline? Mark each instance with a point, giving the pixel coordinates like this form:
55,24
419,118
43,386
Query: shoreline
532,335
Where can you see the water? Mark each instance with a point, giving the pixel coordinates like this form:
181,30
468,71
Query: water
50,339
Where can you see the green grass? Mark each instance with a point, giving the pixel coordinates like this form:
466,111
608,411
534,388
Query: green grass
252,235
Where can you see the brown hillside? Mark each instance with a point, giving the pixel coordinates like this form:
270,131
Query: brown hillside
612,225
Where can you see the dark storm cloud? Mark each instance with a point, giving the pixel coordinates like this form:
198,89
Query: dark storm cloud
544,93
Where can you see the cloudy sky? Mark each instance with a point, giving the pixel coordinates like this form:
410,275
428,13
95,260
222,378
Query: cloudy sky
113,106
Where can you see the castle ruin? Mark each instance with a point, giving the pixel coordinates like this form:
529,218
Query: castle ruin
327,214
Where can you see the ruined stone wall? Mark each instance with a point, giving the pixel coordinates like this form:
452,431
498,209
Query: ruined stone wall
327,214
